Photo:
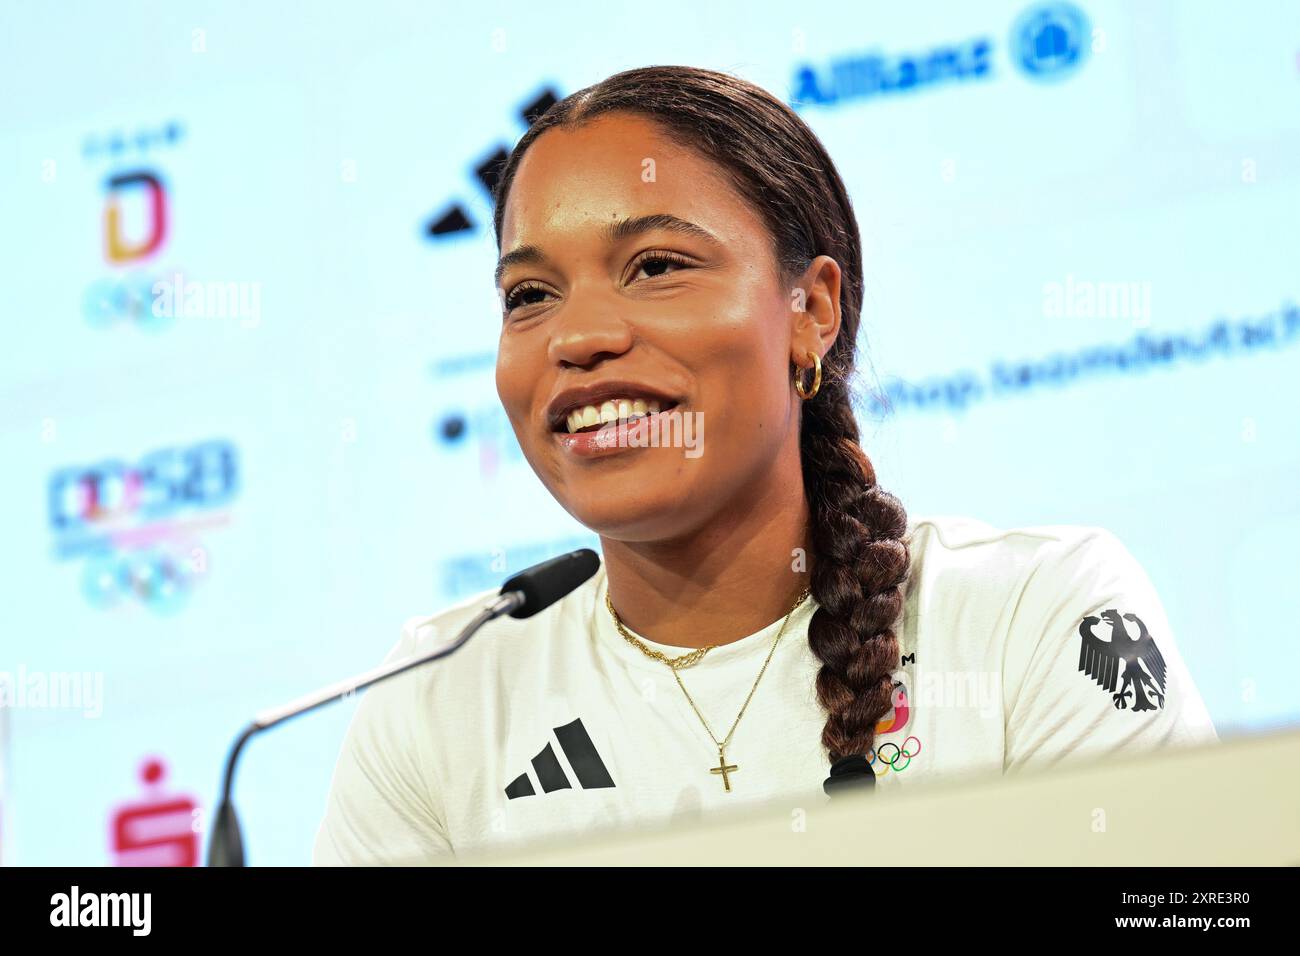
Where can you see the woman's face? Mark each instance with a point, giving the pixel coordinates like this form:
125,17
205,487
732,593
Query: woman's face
711,330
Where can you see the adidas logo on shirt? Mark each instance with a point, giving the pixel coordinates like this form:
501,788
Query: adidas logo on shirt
582,756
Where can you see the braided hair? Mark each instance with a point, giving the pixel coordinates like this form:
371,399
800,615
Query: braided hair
860,557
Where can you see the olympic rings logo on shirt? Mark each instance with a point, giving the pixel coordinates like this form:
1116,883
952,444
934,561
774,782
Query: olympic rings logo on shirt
891,754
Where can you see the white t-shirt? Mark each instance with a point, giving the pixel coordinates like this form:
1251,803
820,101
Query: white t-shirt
1019,648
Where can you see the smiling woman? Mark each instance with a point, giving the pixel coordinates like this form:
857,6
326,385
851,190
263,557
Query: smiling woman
677,247
751,282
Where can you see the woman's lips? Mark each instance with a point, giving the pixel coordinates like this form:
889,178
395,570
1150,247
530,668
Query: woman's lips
617,437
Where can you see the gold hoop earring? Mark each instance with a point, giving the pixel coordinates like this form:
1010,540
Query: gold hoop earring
817,378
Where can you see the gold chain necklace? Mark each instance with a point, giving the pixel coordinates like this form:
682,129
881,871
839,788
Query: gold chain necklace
686,660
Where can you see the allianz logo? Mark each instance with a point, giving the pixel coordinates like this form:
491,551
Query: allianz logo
1047,42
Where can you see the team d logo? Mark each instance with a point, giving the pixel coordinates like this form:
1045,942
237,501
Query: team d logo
1136,659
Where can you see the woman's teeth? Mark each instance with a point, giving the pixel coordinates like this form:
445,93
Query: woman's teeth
616,410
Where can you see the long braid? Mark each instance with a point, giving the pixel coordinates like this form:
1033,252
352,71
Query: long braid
858,537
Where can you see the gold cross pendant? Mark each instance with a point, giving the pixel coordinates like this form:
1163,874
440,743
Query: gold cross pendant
724,768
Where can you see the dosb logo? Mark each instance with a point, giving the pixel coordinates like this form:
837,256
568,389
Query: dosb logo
1050,41
135,525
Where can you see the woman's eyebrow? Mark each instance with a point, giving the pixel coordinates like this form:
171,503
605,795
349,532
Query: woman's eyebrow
615,232
626,228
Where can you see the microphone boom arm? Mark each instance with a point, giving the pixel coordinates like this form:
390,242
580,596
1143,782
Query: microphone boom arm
226,848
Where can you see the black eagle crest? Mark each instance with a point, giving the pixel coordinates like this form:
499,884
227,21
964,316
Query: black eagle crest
1102,660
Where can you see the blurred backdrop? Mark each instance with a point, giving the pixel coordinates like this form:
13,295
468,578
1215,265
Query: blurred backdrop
247,410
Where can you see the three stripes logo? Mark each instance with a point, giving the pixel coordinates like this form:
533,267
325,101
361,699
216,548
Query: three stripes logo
456,219
582,756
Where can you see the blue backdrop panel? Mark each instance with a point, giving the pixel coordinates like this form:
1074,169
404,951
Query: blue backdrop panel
248,415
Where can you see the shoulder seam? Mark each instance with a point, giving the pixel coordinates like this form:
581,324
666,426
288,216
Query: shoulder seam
999,534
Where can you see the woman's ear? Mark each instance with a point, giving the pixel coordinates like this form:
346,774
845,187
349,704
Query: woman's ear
815,310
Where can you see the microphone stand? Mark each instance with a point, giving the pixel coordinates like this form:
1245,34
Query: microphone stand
227,845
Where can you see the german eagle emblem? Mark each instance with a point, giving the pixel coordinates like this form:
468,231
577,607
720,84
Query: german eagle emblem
1136,659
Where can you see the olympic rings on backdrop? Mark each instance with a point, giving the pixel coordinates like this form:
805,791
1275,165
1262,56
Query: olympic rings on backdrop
154,576
891,758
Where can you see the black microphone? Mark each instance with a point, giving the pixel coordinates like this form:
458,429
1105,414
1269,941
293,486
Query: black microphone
531,590
544,584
